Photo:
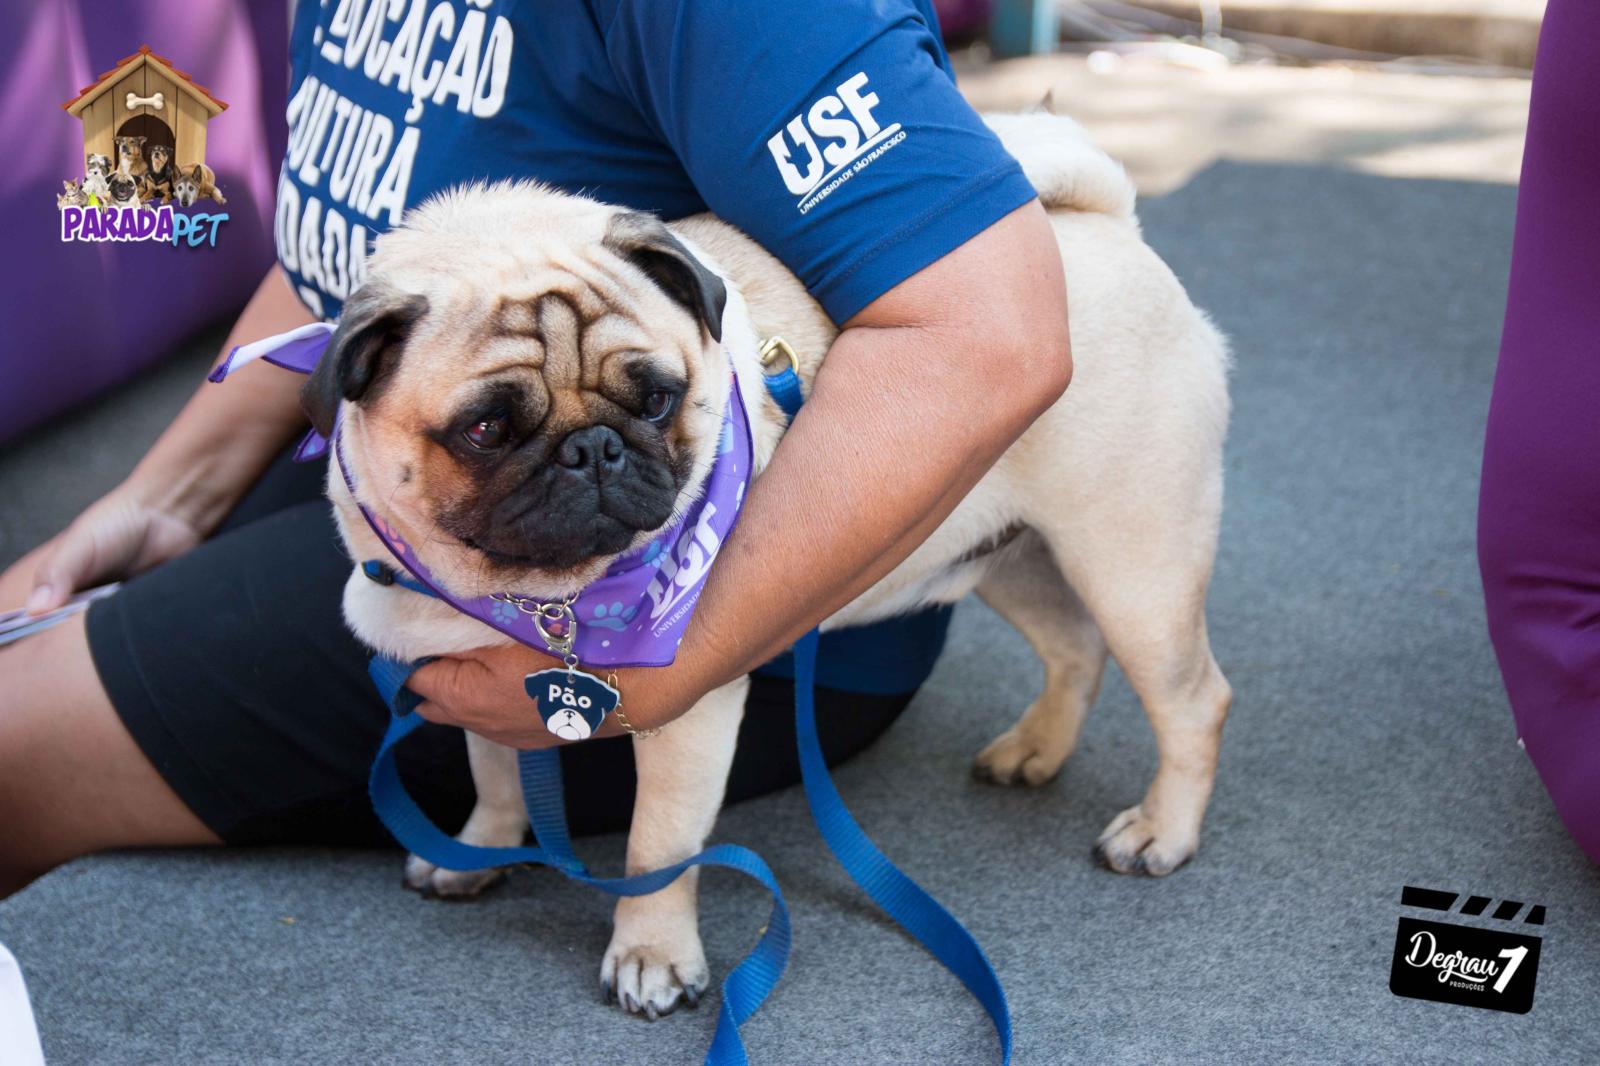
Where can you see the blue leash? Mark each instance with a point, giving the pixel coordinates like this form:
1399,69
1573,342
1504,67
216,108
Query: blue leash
747,986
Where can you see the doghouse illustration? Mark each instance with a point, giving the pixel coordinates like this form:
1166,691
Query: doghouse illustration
144,95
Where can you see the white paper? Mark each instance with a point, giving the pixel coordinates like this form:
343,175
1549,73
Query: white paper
19,1038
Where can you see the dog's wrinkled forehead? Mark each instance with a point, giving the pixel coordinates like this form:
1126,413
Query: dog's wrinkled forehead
511,242
487,279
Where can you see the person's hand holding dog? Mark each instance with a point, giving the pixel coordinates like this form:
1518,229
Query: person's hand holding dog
482,690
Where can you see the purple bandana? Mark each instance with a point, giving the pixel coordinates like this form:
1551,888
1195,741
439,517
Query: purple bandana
632,615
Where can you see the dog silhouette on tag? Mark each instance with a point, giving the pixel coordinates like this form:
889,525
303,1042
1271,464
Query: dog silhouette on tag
572,704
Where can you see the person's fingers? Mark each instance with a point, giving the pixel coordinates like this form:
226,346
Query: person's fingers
16,582
63,570
526,736
434,713
105,541
467,693
440,682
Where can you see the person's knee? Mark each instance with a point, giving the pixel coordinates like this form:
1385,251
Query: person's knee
21,854
67,783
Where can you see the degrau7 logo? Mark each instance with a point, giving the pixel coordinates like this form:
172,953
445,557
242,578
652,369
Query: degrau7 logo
828,136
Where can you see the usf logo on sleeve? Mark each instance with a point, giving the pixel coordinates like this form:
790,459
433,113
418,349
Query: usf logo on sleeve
830,142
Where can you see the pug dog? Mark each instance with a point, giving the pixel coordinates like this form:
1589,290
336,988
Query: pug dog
195,183
504,330
130,157
125,193
159,179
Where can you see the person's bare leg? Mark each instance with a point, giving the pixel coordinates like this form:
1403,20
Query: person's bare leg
72,781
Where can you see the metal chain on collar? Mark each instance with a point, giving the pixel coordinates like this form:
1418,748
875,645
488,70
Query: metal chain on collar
545,613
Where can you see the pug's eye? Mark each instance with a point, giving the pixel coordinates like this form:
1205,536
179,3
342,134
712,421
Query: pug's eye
488,434
658,406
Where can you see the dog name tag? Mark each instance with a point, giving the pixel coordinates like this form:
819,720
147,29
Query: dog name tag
572,704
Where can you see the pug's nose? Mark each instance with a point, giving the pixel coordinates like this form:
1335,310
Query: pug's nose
593,448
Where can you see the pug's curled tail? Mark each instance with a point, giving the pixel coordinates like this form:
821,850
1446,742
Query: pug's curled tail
1067,169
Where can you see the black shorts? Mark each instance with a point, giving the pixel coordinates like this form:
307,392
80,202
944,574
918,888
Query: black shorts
232,669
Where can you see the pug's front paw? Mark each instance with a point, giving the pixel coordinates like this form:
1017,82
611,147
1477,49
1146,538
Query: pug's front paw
652,979
435,882
1135,843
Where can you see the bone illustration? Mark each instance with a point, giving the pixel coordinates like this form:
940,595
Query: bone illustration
134,101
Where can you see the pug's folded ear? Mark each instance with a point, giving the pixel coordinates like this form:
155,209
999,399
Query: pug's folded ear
645,241
373,329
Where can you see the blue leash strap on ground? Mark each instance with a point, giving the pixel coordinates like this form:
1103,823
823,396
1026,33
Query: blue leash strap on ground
743,990
900,897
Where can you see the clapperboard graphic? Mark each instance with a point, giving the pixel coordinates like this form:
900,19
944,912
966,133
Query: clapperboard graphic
1492,963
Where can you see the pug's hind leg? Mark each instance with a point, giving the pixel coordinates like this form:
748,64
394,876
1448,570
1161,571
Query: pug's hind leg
498,820
1026,589
1141,561
655,960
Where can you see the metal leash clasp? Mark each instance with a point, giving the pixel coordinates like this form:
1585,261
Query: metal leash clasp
775,349
558,613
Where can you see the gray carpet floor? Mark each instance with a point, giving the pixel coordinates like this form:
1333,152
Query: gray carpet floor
1370,747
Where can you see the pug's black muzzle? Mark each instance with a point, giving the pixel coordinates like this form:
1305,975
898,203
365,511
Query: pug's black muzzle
590,499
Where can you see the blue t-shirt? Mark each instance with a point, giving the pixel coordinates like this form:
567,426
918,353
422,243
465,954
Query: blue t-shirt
832,133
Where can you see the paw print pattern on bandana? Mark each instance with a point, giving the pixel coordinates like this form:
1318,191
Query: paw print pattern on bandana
653,552
503,612
615,616
388,533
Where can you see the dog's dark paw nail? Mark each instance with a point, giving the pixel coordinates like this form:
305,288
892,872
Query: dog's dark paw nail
650,1012
608,991
987,776
691,991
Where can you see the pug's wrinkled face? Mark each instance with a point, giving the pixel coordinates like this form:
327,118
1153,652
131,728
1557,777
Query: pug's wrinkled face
124,191
533,383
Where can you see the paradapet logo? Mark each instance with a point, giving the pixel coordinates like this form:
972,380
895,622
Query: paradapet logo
144,142
1471,965
833,141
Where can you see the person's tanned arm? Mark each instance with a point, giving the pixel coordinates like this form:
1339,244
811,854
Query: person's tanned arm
190,479
919,396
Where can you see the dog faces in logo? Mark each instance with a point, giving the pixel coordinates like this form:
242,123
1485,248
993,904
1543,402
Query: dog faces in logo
1474,966
572,704
144,141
